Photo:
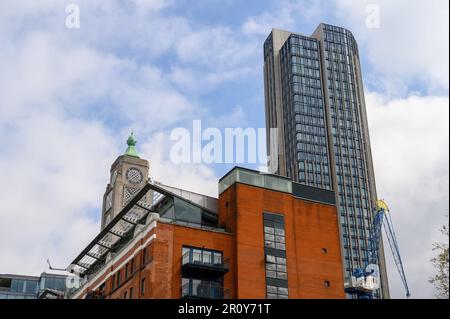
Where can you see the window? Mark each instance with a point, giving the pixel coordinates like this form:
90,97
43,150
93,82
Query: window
326,283
197,288
125,295
217,258
207,255
274,235
108,203
101,289
17,285
187,212
274,292
196,255
31,287
142,286
144,256
276,267
201,256
324,251
276,264
5,283
131,293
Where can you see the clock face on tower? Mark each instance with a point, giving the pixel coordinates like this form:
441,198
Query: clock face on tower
134,175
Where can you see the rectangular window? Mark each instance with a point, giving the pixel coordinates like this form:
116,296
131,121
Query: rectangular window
274,292
207,257
275,252
131,293
142,286
5,283
201,256
118,279
144,256
274,235
217,258
17,285
276,267
31,287
196,255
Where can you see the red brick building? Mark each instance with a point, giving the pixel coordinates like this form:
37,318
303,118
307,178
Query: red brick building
264,237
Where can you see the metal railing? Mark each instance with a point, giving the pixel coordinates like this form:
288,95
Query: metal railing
204,291
205,259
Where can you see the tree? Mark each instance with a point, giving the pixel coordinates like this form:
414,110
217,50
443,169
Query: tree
440,263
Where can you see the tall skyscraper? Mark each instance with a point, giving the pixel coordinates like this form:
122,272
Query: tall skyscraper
314,97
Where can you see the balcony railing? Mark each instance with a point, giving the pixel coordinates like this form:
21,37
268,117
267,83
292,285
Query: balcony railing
95,295
205,260
204,291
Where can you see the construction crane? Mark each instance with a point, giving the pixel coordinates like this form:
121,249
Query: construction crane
365,281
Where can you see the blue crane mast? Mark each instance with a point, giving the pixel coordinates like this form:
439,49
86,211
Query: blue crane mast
365,281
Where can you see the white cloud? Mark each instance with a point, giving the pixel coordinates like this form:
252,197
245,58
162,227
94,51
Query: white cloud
236,117
63,103
80,81
410,49
53,176
194,177
153,5
148,32
65,99
212,56
195,81
410,46
410,144
288,15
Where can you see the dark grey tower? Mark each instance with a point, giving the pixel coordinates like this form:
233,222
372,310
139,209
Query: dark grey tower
314,97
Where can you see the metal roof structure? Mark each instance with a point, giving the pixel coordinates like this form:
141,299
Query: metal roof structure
121,229
51,294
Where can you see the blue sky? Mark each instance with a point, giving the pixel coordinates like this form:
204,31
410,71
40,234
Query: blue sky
70,97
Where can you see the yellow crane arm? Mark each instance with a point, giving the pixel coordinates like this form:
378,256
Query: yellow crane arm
381,204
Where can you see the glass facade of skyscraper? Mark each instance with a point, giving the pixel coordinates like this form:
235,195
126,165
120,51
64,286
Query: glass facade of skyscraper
345,103
304,113
316,90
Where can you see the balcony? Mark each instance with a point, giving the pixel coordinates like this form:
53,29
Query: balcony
204,262
95,295
192,290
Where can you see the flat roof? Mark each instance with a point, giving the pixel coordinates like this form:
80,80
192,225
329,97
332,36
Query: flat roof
23,277
252,171
276,183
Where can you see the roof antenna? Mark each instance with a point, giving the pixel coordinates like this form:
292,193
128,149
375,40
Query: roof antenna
51,268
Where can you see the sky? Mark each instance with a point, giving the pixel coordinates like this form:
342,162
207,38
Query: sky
69,97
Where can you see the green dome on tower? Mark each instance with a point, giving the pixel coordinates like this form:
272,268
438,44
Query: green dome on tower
131,149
